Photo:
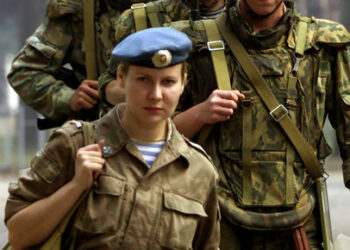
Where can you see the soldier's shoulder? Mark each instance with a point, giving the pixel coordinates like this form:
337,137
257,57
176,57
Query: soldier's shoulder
73,127
331,32
194,30
59,8
324,31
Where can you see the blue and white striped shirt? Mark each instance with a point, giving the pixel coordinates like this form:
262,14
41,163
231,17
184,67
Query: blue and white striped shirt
150,151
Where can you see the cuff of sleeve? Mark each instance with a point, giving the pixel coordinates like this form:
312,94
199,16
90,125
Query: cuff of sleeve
62,102
346,173
103,81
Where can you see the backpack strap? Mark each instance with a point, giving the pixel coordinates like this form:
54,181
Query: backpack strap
277,111
152,13
89,39
141,12
217,50
140,16
88,133
55,240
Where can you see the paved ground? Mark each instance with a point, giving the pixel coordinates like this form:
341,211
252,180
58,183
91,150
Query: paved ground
339,199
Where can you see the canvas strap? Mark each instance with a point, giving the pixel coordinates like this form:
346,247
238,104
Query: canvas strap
89,39
217,48
140,17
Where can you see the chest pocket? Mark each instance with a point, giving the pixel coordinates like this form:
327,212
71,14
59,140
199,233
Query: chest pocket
179,218
104,208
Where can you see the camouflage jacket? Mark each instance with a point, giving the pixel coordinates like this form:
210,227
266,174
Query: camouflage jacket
171,205
274,179
166,11
39,72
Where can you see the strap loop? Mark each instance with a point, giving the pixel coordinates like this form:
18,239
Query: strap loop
279,112
138,6
215,45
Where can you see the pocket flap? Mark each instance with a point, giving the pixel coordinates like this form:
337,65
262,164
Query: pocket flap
45,168
46,50
110,185
183,204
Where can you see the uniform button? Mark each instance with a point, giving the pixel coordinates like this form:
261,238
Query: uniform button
107,150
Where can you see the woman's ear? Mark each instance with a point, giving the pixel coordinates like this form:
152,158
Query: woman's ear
120,77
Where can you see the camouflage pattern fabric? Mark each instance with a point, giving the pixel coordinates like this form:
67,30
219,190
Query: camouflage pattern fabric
172,205
166,10
262,191
39,72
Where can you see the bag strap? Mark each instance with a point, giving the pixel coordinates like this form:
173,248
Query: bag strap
140,16
277,111
217,48
89,39
55,238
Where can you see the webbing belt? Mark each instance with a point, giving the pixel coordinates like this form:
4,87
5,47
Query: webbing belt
89,39
277,110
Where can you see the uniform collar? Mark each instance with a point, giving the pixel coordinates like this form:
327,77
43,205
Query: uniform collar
112,132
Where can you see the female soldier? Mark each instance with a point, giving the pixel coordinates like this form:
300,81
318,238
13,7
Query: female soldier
150,187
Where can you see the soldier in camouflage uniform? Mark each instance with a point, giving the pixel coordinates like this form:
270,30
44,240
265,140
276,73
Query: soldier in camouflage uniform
265,190
139,198
164,12
49,72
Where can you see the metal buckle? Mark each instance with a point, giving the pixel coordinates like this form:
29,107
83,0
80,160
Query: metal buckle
211,45
279,112
138,6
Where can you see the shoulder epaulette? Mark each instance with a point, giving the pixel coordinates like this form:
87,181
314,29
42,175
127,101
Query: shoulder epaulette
332,33
322,31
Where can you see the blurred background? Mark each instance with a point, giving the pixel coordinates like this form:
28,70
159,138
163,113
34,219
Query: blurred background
20,139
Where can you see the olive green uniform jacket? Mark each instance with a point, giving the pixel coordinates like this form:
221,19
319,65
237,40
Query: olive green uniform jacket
260,172
172,205
51,65
163,11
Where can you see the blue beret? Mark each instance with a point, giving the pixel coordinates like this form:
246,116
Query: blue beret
153,47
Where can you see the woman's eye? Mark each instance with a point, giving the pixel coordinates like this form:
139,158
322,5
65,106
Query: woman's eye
169,81
142,79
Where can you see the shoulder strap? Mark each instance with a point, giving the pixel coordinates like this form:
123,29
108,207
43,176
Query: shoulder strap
278,112
217,48
88,133
54,241
152,12
89,39
140,17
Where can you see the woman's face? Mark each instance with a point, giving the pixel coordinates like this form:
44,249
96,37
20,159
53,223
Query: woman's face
151,93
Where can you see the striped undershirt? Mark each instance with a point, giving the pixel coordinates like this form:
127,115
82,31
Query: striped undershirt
211,14
150,151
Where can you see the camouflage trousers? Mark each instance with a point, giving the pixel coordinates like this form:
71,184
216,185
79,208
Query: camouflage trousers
237,238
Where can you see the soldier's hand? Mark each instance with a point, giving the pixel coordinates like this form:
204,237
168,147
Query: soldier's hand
220,105
85,96
88,164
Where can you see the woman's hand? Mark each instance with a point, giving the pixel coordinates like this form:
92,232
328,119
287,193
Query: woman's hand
88,164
